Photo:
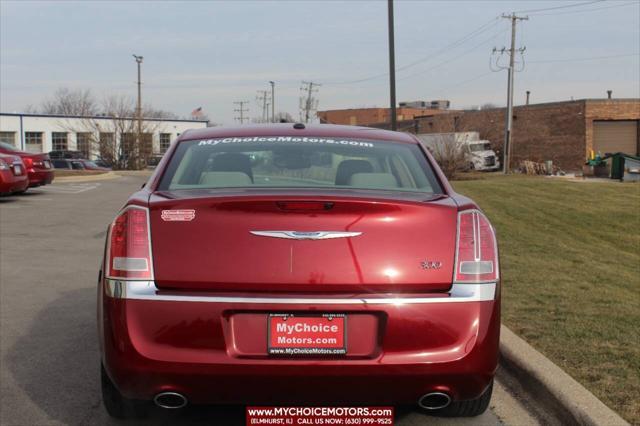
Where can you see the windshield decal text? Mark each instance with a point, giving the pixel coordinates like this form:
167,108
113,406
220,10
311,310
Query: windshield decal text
291,139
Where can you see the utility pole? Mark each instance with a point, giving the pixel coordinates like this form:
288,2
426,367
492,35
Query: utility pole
263,98
392,68
307,102
273,101
511,71
138,113
241,110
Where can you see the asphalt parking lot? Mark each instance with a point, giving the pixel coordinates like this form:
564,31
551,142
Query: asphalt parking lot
50,247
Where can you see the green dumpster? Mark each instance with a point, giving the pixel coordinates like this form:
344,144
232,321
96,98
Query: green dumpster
617,163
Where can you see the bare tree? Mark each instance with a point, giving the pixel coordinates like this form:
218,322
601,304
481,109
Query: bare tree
151,112
448,151
113,133
70,102
31,109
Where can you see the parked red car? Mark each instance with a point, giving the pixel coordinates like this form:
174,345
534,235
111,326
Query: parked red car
299,265
13,175
38,166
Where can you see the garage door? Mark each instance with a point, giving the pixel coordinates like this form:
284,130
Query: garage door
615,136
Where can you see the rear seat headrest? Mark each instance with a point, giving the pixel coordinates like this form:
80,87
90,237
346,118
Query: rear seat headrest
373,180
225,179
232,162
347,168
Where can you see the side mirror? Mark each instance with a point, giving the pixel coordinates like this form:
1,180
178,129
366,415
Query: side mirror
143,185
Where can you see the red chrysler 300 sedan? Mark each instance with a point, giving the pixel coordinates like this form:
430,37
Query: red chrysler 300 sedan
287,264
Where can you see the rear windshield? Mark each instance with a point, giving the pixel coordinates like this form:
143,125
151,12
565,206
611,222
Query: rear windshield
299,162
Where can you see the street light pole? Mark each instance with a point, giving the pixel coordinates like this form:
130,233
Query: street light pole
273,101
139,110
392,68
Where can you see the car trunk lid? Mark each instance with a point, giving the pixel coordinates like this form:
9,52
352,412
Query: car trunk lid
306,243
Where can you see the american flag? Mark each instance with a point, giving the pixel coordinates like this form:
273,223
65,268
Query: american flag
196,113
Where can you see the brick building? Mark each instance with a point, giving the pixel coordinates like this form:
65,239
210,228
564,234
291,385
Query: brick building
368,116
563,132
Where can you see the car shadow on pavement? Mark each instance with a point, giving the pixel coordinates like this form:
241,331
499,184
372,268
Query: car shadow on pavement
16,197
55,362
57,365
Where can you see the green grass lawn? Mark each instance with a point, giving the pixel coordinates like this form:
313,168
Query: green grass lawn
570,255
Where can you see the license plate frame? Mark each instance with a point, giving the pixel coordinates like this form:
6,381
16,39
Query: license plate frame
303,347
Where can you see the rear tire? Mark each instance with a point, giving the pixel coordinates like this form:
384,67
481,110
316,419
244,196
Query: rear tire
118,406
470,408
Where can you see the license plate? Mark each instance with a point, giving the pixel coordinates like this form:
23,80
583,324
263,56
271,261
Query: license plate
295,334
17,170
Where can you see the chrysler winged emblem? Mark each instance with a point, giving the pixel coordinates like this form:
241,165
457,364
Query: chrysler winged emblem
306,235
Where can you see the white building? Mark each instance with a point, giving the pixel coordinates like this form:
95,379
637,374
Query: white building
44,132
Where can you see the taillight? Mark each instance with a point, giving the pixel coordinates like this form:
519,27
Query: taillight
476,249
28,162
130,245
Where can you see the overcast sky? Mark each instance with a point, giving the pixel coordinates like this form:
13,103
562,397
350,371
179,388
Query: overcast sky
210,54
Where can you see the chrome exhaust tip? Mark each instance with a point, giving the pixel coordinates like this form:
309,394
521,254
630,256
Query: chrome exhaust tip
434,401
170,400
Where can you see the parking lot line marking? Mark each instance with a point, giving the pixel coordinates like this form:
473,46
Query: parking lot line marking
70,188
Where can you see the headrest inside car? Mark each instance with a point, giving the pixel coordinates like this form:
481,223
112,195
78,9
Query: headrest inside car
347,168
225,179
232,162
373,180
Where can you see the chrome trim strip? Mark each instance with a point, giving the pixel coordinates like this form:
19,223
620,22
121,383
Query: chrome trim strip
306,235
147,290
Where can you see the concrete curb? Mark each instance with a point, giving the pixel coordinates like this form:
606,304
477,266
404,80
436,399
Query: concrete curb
551,387
87,178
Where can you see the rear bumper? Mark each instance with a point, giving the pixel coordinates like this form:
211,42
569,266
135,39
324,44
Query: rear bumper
39,177
9,183
154,341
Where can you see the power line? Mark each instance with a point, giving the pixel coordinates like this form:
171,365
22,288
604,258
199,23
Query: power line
466,52
481,29
583,59
572,12
464,82
241,110
455,44
559,7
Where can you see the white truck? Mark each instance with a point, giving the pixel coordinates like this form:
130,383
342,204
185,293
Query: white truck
477,153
